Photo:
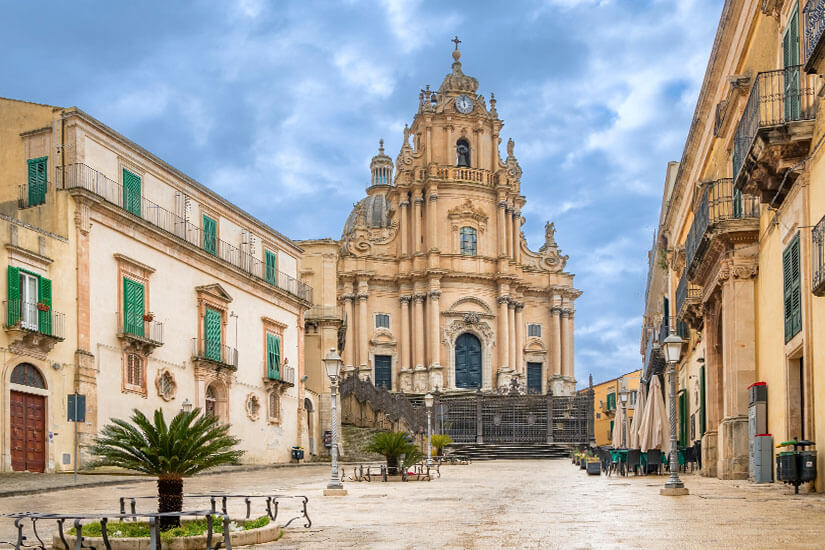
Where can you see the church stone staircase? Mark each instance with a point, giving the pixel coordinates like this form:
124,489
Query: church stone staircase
508,451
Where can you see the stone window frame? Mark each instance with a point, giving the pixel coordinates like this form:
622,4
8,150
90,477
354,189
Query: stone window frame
539,325
273,412
127,386
275,328
129,268
214,297
376,326
221,399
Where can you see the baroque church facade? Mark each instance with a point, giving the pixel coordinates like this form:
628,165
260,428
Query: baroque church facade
435,286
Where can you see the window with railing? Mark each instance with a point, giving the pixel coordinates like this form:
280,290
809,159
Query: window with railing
818,258
813,24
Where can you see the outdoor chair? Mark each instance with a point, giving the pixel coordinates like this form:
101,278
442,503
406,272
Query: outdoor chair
690,458
654,460
634,461
697,446
616,464
604,458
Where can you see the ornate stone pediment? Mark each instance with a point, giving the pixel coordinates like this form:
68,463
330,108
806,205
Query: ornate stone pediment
467,211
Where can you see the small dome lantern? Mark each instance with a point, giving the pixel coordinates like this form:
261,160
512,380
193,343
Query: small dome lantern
381,167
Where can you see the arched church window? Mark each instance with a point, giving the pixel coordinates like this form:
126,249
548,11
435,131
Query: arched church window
462,150
28,375
468,241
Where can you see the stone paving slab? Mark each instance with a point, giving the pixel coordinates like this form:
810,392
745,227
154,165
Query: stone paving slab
527,504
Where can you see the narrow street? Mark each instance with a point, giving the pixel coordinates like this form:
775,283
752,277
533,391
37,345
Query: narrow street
503,504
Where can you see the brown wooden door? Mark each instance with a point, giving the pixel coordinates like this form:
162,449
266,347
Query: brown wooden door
28,432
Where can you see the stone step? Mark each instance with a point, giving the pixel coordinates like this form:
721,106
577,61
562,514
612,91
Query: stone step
491,451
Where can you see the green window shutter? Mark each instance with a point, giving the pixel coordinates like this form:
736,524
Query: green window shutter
611,429
14,296
271,267
133,307
702,418
277,364
682,419
792,291
45,317
210,235
790,62
37,181
273,354
131,192
737,203
212,334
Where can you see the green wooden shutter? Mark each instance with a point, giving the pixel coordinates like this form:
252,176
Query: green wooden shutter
791,282
37,181
683,419
790,61
14,297
210,235
131,192
271,268
611,429
273,354
702,417
212,334
133,305
45,317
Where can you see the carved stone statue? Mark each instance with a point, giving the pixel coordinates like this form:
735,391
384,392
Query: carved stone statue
463,154
510,146
549,234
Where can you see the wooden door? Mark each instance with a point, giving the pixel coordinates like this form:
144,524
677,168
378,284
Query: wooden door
534,377
467,361
28,432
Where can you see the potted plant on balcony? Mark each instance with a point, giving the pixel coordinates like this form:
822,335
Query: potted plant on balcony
148,316
42,306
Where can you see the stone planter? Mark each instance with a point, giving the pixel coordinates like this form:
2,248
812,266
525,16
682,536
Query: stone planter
261,535
594,468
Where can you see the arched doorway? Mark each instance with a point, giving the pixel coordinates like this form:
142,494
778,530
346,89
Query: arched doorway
27,419
467,361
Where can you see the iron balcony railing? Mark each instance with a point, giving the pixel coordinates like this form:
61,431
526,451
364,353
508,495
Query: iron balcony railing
325,312
818,258
286,374
31,194
686,291
214,350
777,97
814,25
720,202
139,325
35,317
81,176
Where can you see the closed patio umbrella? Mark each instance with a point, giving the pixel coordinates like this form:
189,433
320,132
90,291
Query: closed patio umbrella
655,430
618,425
637,418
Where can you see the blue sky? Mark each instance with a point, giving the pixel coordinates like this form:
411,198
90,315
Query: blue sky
279,106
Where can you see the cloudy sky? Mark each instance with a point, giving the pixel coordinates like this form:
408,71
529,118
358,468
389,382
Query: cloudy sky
278,105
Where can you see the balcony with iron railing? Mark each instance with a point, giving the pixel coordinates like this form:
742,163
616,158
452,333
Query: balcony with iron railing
325,313
139,329
285,375
818,258
80,176
653,359
688,298
214,352
774,132
721,210
813,24
34,324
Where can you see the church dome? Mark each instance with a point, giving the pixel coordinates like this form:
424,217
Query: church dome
372,212
457,81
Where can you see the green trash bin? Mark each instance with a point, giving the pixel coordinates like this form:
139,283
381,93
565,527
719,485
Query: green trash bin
807,465
787,467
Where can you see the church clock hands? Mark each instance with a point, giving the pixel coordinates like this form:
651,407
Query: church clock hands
463,104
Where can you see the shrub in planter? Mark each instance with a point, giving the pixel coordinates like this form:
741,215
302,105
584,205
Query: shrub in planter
392,445
440,441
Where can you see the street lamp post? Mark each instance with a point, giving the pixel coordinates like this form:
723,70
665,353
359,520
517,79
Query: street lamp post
673,350
332,364
186,406
623,394
428,403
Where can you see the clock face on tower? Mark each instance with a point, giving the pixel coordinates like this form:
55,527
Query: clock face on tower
463,104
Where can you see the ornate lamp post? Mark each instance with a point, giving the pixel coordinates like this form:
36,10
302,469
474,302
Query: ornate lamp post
428,403
332,364
186,406
623,395
673,350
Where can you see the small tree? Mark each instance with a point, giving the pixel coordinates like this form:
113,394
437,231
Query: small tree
189,444
439,441
392,445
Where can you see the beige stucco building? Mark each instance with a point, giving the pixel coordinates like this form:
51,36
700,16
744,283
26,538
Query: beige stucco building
137,287
436,284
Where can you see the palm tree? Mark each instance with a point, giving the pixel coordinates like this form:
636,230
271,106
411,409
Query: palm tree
392,445
189,444
439,441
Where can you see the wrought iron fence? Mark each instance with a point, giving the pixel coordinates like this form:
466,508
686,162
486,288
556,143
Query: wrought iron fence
818,257
82,176
777,97
487,417
138,325
35,317
286,374
720,202
814,24
214,350
686,291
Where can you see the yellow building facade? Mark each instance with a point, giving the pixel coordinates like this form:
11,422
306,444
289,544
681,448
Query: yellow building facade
437,285
741,235
136,287
607,400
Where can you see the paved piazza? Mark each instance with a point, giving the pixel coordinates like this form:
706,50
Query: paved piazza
506,504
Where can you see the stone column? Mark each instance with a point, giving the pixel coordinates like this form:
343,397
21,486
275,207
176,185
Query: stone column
417,204
432,218
520,338
435,340
503,333
418,330
508,231
363,326
405,236
565,341
349,345
569,346
511,327
501,227
404,351
516,236
555,341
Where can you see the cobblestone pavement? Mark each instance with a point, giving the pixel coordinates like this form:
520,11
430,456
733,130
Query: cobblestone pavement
505,504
